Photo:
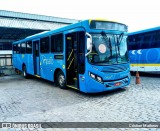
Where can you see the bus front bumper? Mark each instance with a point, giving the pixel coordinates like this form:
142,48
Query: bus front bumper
95,86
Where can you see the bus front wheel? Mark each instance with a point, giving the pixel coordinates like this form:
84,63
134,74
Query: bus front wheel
61,81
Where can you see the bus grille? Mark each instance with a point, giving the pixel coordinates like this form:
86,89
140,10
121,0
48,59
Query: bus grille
115,68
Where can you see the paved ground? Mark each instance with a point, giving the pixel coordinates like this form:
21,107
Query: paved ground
39,100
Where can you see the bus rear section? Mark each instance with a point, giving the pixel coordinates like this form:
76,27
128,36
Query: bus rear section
144,50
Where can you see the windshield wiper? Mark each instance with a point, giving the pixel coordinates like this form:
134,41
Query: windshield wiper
110,47
104,36
118,42
120,38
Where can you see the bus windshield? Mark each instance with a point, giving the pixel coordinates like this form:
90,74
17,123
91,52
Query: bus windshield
108,49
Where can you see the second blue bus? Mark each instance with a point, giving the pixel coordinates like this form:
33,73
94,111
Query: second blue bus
144,46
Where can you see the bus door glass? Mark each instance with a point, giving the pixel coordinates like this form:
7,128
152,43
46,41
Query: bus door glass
36,57
75,57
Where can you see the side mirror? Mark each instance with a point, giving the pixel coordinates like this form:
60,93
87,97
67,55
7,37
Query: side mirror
89,44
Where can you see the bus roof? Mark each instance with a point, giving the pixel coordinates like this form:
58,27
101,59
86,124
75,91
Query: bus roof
144,31
68,27
45,33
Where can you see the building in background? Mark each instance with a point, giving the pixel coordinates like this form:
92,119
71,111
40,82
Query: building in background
15,26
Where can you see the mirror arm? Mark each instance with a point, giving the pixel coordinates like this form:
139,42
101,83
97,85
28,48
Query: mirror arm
88,52
87,34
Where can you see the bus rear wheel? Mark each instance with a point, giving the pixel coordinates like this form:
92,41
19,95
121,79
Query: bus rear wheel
25,72
61,81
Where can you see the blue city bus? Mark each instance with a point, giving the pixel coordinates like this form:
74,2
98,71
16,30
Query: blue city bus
90,56
144,50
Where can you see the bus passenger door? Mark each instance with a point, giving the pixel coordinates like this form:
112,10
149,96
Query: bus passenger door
36,59
75,58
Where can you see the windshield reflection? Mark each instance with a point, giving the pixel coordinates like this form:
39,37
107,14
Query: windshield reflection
108,49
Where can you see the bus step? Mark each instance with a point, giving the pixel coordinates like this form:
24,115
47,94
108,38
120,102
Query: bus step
75,79
37,76
72,86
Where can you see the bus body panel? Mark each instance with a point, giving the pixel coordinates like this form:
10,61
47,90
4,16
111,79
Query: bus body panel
109,79
27,60
29,63
14,60
82,83
18,61
145,60
48,65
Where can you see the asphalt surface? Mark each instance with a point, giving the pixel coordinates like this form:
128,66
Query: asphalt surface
38,100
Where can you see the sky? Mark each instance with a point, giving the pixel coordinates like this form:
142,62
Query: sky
137,14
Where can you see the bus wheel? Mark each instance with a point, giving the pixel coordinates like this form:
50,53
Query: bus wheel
25,72
61,82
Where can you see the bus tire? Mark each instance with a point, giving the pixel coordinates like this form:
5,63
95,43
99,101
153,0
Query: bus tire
61,81
25,72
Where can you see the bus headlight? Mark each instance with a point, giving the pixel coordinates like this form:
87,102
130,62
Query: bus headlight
95,77
99,79
92,75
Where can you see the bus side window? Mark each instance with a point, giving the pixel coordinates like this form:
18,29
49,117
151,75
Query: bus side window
145,42
133,43
81,44
19,49
29,47
14,49
156,41
44,42
130,41
23,48
57,43
139,42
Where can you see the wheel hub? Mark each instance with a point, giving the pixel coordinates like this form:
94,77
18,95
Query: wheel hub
61,80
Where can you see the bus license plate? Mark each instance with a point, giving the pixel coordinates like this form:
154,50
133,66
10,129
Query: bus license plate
117,84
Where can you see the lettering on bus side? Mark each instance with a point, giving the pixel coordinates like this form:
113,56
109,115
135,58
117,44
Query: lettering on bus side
47,61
